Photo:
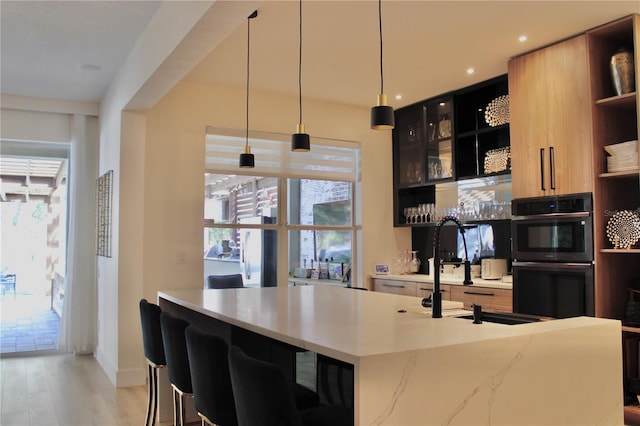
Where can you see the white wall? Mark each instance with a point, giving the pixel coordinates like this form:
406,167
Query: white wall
29,125
176,39
172,169
130,272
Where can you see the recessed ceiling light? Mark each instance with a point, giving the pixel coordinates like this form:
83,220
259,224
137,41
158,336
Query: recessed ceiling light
470,70
398,97
90,67
522,38
442,104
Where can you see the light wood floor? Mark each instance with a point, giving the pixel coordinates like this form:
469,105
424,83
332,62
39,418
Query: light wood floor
65,390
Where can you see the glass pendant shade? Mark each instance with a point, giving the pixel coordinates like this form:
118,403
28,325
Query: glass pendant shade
382,117
300,141
247,159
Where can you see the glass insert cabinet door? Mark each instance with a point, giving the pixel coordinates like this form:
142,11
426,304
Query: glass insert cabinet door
410,137
438,153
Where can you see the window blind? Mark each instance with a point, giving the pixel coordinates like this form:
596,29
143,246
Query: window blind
328,159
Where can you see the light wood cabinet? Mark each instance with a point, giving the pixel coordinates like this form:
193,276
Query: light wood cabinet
406,288
426,290
550,110
491,299
409,288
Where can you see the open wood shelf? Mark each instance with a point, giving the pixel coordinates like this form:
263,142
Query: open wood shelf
625,174
632,414
615,120
626,100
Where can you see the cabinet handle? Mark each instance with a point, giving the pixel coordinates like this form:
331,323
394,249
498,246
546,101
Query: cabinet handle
542,169
392,286
475,293
430,289
552,168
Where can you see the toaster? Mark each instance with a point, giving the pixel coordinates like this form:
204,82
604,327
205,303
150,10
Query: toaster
493,269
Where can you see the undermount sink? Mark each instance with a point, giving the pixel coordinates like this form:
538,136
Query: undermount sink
504,318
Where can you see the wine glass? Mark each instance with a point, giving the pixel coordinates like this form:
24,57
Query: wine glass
422,210
414,214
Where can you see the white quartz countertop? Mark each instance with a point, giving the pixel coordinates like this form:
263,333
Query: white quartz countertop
349,324
453,279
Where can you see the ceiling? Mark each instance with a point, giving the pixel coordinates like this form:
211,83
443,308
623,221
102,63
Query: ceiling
50,49
72,50
428,45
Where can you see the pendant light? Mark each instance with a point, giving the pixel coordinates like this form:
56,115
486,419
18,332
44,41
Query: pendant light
381,114
300,140
247,160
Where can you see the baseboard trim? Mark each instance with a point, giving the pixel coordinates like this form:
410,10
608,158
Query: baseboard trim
131,377
121,378
108,368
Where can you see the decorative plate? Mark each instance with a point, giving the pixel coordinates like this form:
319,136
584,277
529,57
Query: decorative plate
444,128
497,112
623,229
497,160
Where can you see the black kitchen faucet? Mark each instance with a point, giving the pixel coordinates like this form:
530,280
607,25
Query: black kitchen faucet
436,296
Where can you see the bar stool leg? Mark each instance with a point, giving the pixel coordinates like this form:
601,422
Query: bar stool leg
150,375
176,420
181,407
156,376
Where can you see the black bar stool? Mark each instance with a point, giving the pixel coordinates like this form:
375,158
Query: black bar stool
210,378
153,352
175,349
264,397
225,281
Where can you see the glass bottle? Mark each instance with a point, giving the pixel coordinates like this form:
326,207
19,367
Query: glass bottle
414,263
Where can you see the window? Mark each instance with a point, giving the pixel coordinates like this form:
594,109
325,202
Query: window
252,220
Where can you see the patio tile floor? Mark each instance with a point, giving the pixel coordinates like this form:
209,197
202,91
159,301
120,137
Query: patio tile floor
27,324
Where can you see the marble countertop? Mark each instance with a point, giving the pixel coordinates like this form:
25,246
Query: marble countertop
349,324
453,279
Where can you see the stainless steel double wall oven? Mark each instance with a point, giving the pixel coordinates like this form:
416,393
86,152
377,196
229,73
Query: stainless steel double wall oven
552,244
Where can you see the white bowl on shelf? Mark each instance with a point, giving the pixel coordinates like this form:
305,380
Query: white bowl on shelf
624,162
623,157
622,148
614,169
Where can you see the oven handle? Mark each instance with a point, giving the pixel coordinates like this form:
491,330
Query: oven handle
553,266
542,169
552,168
553,216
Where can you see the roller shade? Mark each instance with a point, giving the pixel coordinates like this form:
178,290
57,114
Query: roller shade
328,159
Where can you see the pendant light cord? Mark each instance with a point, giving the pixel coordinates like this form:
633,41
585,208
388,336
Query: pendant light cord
300,66
380,24
247,105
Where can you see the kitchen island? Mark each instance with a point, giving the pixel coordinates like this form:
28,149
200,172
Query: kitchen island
411,369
